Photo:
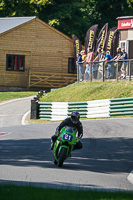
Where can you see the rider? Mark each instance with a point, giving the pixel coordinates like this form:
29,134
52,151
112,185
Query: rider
73,122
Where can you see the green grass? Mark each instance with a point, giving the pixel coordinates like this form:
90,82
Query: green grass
13,95
90,91
11,192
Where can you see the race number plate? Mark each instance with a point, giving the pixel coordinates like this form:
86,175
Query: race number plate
67,137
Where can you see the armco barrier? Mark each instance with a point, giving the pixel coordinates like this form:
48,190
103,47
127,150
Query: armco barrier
61,110
88,109
121,106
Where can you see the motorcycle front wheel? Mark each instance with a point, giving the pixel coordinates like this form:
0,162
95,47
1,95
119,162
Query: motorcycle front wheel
62,157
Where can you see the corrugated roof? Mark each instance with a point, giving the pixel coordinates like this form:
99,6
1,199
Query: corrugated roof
8,23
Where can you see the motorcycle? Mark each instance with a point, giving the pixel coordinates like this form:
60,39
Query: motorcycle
64,145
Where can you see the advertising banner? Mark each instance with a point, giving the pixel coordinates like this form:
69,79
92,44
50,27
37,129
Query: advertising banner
109,47
116,43
90,38
102,38
125,23
77,48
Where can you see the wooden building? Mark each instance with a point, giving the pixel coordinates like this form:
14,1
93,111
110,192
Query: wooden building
33,54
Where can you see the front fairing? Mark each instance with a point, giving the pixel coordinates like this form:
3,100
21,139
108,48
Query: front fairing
67,135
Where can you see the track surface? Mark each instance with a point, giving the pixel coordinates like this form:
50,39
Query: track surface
104,162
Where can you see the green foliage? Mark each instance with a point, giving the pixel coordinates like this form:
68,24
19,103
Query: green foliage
70,17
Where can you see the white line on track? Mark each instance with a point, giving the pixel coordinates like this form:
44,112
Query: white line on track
24,117
130,177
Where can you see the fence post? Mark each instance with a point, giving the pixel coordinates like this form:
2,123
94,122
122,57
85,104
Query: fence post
77,72
129,70
117,72
90,72
103,73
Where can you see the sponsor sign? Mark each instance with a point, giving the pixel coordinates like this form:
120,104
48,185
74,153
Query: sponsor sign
90,38
102,38
77,47
125,24
110,40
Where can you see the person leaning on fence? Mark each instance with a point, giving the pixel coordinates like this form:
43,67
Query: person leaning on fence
98,64
116,59
110,65
88,60
81,68
83,59
124,57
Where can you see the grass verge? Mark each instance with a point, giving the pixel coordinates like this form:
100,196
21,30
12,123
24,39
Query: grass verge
13,95
11,192
90,91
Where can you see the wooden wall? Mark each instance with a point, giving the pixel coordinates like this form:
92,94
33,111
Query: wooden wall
45,50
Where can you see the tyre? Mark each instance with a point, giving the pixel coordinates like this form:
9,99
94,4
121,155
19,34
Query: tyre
62,157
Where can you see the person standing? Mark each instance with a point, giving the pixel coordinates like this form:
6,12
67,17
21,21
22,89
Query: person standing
81,68
124,57
117,58
83,59
110,69
98,66
89,59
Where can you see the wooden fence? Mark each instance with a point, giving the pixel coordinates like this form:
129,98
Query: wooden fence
50,80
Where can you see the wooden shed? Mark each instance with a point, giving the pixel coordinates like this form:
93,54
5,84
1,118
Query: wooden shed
33,54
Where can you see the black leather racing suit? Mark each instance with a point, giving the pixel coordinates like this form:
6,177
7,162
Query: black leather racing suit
78,127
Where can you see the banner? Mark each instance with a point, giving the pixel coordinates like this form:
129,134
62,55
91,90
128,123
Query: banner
109,47
90,38
77,48
116,43
101,39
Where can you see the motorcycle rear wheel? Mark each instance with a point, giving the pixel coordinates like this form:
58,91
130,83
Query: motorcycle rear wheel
62,157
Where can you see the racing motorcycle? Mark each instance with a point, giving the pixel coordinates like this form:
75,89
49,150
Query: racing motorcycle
64,145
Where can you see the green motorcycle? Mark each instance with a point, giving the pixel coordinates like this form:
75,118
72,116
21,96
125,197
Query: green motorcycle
64,145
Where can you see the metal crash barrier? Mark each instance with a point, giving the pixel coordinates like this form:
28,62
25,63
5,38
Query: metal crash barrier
55,111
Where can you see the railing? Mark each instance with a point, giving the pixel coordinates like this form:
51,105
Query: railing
106,70
89,109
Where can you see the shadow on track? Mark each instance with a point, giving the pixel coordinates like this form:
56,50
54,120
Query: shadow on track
105,155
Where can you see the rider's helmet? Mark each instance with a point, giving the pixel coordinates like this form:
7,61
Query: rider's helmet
75,117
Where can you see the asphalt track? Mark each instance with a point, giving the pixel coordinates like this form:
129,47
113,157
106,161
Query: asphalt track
105,161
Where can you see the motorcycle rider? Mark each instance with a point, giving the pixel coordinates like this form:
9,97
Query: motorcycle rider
73,122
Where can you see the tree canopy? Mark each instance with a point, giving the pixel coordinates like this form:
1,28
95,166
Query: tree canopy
72,17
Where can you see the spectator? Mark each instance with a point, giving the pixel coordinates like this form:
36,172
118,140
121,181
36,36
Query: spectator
110,65
81,68
83,58
98,65
124,57
117,58
89,58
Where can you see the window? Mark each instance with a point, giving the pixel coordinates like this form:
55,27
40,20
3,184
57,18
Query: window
15,62
71,65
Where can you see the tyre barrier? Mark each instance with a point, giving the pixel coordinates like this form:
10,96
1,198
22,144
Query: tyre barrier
55,111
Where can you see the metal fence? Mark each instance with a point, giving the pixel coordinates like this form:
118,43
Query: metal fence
105,70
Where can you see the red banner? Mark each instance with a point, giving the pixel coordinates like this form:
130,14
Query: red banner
125,24
102,38
90,38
